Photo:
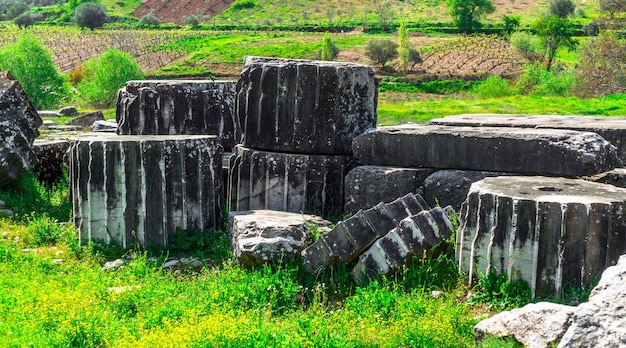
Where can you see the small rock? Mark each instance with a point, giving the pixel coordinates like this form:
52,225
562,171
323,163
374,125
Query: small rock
6,212
86,120
171,264
2,204
58,261
436,294
48,113
113,265
121,289
104,126
47,123
69,111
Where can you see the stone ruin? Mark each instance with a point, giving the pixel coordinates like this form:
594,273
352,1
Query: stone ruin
19,123
304,140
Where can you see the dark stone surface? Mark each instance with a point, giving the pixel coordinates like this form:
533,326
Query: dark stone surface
301,106
87,120
351,237
515,150
551,232
69,111
52,159
288,182
19,123
413,234
178,107
613,129
142,189
449,187
615,177
366,186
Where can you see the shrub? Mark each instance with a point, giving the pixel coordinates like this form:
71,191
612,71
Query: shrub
561,8
602,68
149,19
511,23
244,4
90,15
493,87
32,65
539,81
17,9
191,21
329,50
76,75
380,51
105,75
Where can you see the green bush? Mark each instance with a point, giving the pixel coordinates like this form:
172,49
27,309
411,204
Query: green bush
528,45
539,82
105,75
31,64
149,19
244,4
380,51
90,15
191,21
26,19
493,87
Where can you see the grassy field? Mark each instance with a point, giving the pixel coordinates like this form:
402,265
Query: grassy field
56,294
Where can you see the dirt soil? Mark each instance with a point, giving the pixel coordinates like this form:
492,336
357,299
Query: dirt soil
174,11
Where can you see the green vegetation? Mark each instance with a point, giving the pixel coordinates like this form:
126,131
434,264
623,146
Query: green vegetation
31,64
381,51
90,15
466,14
104,75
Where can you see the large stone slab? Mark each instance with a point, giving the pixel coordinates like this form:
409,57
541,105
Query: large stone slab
351,237
178,107
141,189
19,123
287,182
515,150
413,235
601,322
612,129
303,106
367,186
264,236
615,177
548,231
51,155
449,187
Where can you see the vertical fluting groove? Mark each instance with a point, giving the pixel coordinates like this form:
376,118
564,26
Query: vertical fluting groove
535,250
125,189
513,237
286,186
472,245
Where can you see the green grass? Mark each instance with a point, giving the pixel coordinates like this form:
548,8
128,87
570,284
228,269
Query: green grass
397,111
55,294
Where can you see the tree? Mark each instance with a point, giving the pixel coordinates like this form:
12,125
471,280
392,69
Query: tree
466,13
561,8
511,23
17,9
612,14
90,15
191,21
32,65
380,51
602,67
104,75
26,19
528,45
385,15
554,32
403,46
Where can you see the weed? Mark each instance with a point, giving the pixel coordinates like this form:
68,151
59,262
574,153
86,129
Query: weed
498,293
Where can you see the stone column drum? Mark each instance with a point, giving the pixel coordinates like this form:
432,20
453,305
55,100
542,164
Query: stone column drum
178,107
551,232
141,189
302,106
287,182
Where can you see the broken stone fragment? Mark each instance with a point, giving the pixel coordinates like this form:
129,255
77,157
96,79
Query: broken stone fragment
19,123
304,106
511,150
266,236
351,237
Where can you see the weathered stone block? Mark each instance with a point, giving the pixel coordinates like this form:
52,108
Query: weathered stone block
351,237
449,187
19,123
547,231
514,150
51,158
302,106
262,236
366,186
87,120
140,189
178,107
287,182
613,129
412,235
